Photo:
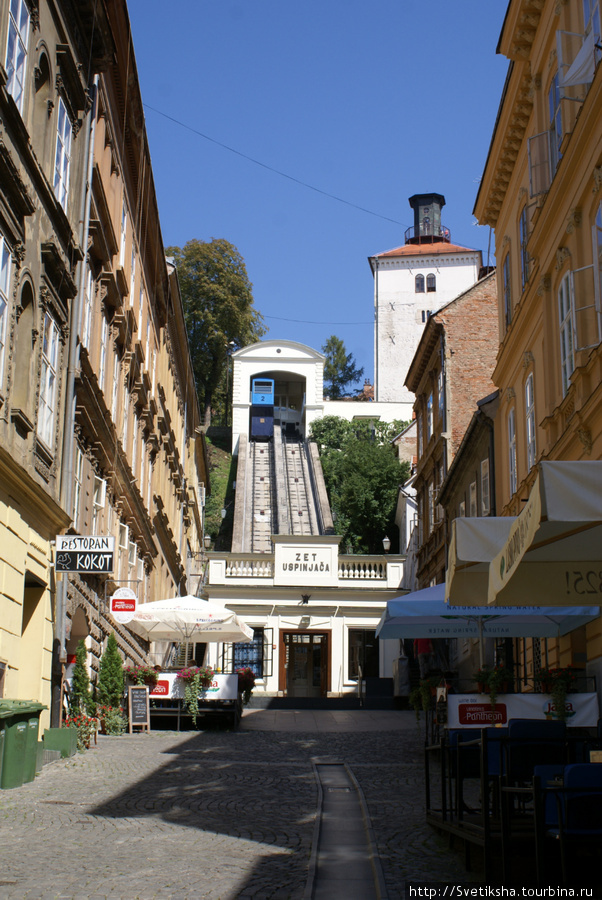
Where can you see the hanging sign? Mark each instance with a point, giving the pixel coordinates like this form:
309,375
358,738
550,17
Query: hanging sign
123,604
84,553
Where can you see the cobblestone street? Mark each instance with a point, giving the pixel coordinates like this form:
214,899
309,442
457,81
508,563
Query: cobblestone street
215,814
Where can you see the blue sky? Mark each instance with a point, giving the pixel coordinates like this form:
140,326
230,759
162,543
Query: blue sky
369,102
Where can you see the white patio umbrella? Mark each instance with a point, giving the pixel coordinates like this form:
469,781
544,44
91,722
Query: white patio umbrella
425,614
552,554
188,619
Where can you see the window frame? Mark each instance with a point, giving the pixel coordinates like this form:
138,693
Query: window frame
530,421
48,380
431,283
472,499
512,461
523,235
429,417
566,331
507,289
419,284
17,72
62,154
485,488
5,276
555,116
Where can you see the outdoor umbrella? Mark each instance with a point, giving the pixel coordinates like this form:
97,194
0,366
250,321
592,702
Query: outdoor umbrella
553,552
425,614
188,619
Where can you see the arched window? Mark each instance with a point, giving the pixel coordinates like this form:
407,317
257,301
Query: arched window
419,284
431,283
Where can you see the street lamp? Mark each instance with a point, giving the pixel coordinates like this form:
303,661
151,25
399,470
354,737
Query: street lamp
386,544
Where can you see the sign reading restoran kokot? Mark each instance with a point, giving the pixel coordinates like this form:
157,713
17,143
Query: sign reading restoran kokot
84,553
302,564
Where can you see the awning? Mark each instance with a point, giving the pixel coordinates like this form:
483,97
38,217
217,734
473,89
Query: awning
473,544
425,614
553,552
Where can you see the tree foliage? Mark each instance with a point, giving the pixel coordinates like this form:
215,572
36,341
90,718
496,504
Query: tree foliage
219,311
111,679
362,475
340,370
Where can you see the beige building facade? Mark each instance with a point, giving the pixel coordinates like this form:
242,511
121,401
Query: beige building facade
98,414
542,193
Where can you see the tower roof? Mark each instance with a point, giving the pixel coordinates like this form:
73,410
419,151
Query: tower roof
435,249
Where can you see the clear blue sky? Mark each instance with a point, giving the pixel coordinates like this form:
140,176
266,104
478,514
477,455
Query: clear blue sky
368,101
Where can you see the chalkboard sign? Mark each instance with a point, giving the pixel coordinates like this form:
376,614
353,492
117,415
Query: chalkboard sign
139,707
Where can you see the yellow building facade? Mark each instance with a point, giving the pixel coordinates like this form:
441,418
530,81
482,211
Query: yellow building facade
541,192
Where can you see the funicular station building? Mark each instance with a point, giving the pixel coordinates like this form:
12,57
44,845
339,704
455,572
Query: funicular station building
313,608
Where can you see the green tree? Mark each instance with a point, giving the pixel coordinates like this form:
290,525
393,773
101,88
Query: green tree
340,370
219,312
362,475
111,679
80,699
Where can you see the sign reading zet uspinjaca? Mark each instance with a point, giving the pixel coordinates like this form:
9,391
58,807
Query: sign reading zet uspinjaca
84,553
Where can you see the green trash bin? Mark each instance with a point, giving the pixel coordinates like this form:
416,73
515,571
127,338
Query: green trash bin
20,742
4,716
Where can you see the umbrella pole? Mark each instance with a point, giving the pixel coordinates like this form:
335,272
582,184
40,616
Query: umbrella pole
481,642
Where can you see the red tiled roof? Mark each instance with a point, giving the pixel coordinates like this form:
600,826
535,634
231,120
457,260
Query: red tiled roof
434,249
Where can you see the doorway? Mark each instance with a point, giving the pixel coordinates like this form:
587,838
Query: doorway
305,666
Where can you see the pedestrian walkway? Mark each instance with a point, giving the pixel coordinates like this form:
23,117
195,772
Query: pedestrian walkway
217,815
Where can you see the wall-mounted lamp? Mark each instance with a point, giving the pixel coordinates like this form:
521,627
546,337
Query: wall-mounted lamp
207,541
386,544
305,598
304,621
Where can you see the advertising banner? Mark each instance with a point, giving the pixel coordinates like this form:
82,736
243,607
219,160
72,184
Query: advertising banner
122,605
475,711
170,687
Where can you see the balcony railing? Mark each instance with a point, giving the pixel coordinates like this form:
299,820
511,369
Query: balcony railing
427,234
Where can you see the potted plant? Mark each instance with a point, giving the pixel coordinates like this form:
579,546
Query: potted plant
195,680
142,675
562,681
544,679
246,683
85,728
481,677
498,680
110,675
112,720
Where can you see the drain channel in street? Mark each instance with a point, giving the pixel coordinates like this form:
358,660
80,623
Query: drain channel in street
345,864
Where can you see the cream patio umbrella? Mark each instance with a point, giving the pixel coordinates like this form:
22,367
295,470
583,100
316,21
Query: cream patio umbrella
188,619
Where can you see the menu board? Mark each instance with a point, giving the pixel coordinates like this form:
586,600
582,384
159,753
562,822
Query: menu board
139,707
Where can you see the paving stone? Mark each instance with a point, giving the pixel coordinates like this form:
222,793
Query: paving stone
214,815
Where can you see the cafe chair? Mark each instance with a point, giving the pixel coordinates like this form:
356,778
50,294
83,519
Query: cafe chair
569,813
533,742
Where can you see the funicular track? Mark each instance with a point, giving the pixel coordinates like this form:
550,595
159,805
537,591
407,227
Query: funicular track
263,503
300,499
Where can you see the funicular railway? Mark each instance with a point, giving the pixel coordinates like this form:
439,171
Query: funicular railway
280,475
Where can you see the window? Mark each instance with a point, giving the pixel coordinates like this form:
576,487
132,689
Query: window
565,315
429,417
134,448
485,498
523,237
16,50
506,288
363,653
62,156
530,417
472,498
115,387
419,284
132,549
102,363
512,470
99,493
555,122
591,17
441,398
140,309
126,417
431,284
147,350
123,236
419,433
87,323
431,505
251,654
124,533
462,509
47,408
5,260
78,481
132,276
425,314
